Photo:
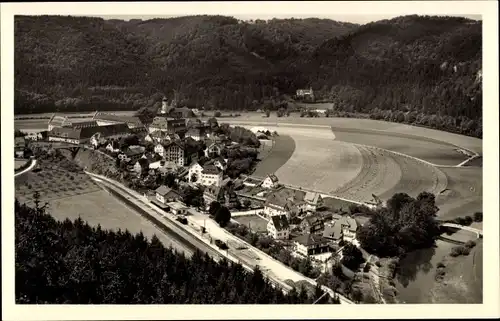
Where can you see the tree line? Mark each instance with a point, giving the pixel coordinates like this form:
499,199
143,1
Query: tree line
428,68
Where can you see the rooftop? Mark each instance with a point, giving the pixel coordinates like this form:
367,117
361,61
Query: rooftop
176,206
310,239
280,222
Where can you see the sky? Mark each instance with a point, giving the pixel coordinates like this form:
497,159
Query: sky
360,19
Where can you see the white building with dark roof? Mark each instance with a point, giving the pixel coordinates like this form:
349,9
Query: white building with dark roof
165,195
211,175
312,201
278,227
310,244
271,181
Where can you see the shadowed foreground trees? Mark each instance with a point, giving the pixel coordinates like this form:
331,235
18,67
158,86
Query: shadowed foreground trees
74,263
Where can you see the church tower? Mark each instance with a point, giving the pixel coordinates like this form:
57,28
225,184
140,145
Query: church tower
164,105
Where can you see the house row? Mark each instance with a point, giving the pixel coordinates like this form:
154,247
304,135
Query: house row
322,241
291,202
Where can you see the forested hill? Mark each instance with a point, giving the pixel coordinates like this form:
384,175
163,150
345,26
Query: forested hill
423,70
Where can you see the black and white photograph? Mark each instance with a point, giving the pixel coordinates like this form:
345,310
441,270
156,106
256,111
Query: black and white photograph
265,158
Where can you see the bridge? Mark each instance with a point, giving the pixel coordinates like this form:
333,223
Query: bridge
478,232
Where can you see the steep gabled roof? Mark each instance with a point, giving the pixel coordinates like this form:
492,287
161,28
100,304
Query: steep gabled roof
164,190
333,231
175,143
310,239
273,178
276,200
83,124
312,197
211,169
214,191
280,222
313,220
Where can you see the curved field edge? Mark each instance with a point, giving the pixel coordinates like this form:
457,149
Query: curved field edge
472,144
434,152
385,173
281,151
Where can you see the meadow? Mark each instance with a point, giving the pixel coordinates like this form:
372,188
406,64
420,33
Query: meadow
70,193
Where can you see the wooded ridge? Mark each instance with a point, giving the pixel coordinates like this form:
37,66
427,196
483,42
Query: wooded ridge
415,69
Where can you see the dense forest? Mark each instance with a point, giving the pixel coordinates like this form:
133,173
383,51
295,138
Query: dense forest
74,263
415,69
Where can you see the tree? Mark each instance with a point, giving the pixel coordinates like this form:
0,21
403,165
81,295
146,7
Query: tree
146,115
217,114
352,257
149,147
214,208
478,217
356,295
212,123
247,203
223,216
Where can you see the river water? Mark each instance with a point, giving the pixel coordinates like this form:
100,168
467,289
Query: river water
415,277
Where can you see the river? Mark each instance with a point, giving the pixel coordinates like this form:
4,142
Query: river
415,278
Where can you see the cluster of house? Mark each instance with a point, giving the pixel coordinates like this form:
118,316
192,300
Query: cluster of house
321,232
168,131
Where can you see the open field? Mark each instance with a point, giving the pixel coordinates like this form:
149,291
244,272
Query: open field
254,222
464,192
18,163
318,162
470,143
334,204
73,114
100,207
432,151
280,153
71,194
353,172
52,182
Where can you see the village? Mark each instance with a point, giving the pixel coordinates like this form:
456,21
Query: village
178,151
